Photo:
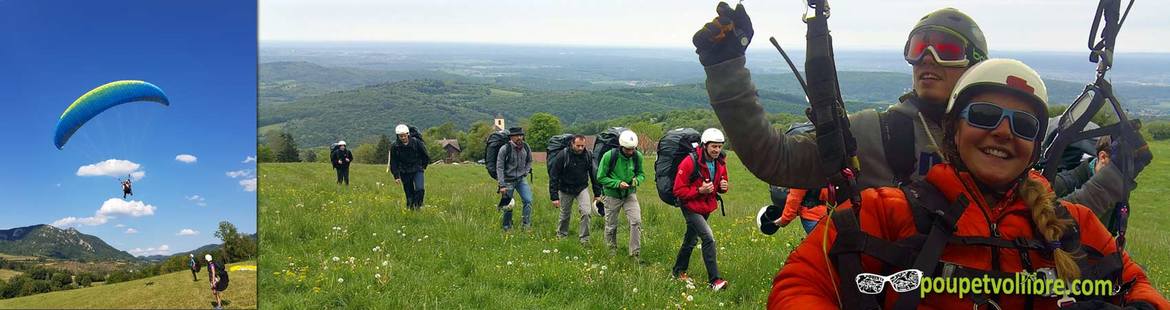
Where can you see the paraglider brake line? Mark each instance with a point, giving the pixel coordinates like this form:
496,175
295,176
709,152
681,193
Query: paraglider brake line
803,86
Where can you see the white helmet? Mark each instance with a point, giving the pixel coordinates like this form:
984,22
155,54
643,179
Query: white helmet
628,139
191,255
207,257
401,129
342,142
711,135
1004,74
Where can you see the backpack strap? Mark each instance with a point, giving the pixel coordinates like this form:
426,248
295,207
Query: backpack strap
898,130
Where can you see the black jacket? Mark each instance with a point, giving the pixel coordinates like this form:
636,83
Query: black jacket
408,158
571,173
344,155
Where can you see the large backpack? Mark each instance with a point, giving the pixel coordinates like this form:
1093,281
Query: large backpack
414,133
556,145
674,147
221,273
494,142
606,140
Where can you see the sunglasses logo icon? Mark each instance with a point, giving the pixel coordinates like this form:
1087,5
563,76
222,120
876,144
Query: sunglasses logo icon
902,281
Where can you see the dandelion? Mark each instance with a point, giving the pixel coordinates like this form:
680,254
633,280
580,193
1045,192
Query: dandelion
377,248
720,304
377,276
604,267
340,280
547,251
426,236
335,258
635,290
556,250
509,263
384,263
419,240
690,298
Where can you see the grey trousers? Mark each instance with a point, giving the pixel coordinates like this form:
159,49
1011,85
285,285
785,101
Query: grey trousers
584,205
633,215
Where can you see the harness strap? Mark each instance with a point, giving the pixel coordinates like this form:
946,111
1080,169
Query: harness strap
944,220
848,262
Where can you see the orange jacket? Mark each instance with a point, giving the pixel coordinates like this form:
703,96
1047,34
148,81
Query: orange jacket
809,281
793,206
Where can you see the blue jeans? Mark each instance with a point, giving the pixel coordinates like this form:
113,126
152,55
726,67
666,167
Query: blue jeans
526,196
697,229
412,185
808,225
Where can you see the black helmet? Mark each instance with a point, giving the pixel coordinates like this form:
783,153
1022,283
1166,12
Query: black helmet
956,21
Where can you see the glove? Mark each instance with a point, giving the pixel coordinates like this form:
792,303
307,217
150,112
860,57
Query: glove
725,37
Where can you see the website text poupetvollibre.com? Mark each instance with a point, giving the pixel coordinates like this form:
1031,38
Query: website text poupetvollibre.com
1021,284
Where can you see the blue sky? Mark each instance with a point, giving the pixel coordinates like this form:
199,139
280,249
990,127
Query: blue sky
1049,25
201,53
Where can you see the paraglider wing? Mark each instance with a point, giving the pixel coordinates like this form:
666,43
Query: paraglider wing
101,98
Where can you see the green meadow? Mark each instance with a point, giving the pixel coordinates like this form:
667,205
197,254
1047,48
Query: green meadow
169,291
329,246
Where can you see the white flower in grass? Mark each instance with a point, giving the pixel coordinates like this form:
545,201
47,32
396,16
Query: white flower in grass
335,258
690,298
426,236
340,280
556,250
635,290
377,248
604,267
720,304
509,263
377,276
384,263
546,251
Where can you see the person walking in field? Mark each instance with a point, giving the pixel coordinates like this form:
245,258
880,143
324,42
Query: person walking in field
513,164
620,173
341,157
408,161
194,266
698,197
570,174
219,281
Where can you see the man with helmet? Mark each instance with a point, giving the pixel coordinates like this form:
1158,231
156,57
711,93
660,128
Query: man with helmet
194,266
620,173
940,48
513,164
408,160
697,183
340,158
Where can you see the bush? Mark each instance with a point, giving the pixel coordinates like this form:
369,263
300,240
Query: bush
1159,130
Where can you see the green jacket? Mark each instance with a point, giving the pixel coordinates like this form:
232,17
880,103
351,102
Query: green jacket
624,169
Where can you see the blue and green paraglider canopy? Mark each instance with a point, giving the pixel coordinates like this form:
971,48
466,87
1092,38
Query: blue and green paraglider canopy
100,99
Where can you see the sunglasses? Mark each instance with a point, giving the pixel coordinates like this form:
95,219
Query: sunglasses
987,116
948,48
902,281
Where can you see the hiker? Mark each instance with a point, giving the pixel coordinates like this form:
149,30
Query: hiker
408,160
620,173
341,157
513,164
985,214
126,187
569,177
697,197
194,266
940,47
218,283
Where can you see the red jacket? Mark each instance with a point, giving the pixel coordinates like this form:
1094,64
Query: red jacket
808,281
687,191
793,206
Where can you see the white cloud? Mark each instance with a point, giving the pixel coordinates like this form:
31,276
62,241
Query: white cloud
249,184
186,158
198,200
113,168
188,232
131,231
160,250
119,226
74,221
135,208
239,173
109,209
249,159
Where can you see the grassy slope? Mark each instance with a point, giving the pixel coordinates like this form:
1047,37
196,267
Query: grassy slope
6,274
169,291
453,255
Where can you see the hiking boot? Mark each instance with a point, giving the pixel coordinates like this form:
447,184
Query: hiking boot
612,251
718,284
638,259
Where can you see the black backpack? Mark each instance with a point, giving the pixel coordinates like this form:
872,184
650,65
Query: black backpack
556,145
606,140
673,148
494,142
414,133
221,273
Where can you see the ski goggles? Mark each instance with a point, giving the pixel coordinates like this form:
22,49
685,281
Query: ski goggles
948,48
902,281
987,116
